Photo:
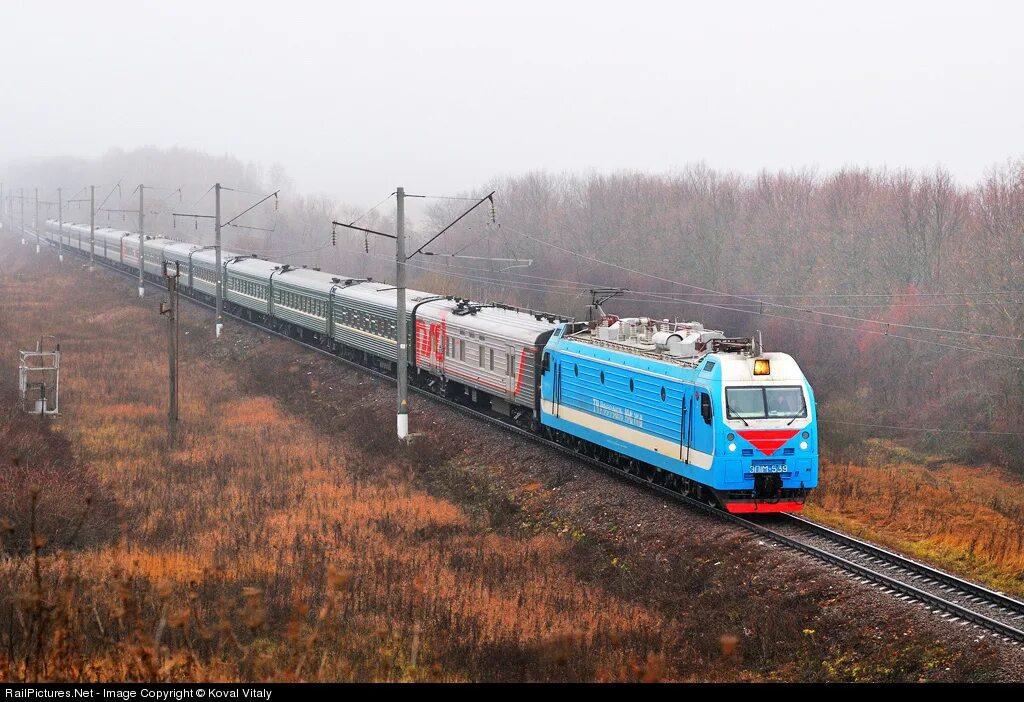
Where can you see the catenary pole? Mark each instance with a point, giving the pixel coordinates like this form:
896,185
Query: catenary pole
401,334
220,271
171,311
402,327
142,241
92,224
35,222
23,220
5,211
60,225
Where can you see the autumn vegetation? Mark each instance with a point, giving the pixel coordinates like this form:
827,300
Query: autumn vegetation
287,537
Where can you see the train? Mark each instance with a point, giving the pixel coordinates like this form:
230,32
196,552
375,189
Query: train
714,418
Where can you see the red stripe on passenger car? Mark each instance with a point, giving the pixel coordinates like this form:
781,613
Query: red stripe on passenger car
522,365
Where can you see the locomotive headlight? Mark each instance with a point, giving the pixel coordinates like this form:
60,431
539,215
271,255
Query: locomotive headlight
732,447
806,435
762,367
803,445
730,436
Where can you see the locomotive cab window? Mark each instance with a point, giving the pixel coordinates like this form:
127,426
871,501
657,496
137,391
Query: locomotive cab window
765,402
705,408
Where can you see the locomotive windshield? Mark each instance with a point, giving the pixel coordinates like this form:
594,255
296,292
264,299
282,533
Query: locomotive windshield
765,402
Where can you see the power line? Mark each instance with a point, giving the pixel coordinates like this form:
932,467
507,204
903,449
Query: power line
878,294
570,286
886,324
251,227
116,187
244,192
766,313
202,197
752,306
756,307
923,429
72,198
757,296
372,209
290,252
253,207
485,198
445,197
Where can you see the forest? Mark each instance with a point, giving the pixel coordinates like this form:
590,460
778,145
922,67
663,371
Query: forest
899,292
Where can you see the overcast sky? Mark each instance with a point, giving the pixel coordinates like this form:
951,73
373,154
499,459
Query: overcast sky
356,98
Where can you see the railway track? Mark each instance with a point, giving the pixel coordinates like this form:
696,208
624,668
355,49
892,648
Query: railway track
945,594
952,598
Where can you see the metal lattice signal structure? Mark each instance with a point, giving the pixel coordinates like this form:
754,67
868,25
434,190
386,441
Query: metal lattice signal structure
39,379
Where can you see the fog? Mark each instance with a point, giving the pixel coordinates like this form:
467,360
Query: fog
440,97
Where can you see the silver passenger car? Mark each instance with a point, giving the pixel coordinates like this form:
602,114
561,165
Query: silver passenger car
491,348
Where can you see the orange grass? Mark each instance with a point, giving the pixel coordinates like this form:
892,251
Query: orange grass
348,579
967,519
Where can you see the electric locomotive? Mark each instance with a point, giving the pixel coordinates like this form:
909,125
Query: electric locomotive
714,418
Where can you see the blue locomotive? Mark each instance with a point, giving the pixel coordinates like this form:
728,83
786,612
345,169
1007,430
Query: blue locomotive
713,418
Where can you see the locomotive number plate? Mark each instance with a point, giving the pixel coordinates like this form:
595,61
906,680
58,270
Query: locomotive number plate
767,467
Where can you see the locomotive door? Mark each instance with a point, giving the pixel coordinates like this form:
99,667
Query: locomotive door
701,433
684,428
556,388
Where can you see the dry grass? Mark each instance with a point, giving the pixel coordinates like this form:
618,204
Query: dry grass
257,548
969,519
277,544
